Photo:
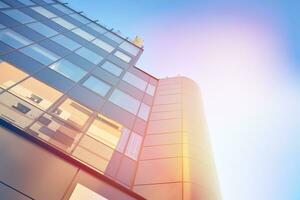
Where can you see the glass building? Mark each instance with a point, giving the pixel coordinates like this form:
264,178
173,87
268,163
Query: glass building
78,119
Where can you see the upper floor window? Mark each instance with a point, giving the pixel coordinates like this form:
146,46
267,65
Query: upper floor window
130,48
42,29
97,28
13,39
44,12
97,85
113,37
89,55
66,42
27,2
103,45
19,16
83,34
3,5
125,101
112,68
79,18
62,8
122,56
63,23
135,81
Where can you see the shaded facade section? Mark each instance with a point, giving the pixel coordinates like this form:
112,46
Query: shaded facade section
176,158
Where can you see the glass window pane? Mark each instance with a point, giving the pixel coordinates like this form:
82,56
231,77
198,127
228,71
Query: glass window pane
103,45
122,56
80,18
48,1
134,145
63,23
123,140
97,85
19,16
2,26
73,113
10,75
66,42
83,34
36,92
42,29
44,12
135,81
97,28
3,5
40,54
105,130
89,55
114,37
82,192
144,112
68,70
62,8
13,39
125,101
150,89
130,48
112,68
27,2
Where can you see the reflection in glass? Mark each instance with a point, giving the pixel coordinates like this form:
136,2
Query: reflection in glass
112,68
134,145
65,42
10,75
73,113
130,48
13,39
43,11
89,55
97,85
135,81
36,93
19,16
83,34
68,70
97,28
114,37
122,56
103,45
42,29
40,54
125,101
144,112
63,23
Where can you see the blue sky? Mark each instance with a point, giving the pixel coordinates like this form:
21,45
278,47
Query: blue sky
245,57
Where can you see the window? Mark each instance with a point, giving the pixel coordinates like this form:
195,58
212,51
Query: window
89,55
68,70
80,18
125,101
73,113
134,145
40,54
2,26
44,12
3,5
42,29
130,48
105,130
82,192
10,75
150,89
27,2
97,85
63,23
48,1
112,68
97,28
66,42
113,37
122,56
135,81
18,16
13,39
123,140
36,92
62,8
144,112
83,34
103,45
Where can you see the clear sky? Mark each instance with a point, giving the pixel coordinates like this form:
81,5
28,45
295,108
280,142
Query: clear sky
245,56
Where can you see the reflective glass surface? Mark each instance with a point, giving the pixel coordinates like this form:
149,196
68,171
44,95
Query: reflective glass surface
133,146
112,68
3,5
13,39
114,37
130,48
122,56
10,75
79,18
125,101
144,112
97,28
42,29
40,54
62,8
68,70
89,55
103,45
97,85
44,12
66,42
63,23
83,34
19,16
27,2
150,89
135,81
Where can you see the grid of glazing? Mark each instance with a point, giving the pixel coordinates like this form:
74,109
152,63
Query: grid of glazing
61,74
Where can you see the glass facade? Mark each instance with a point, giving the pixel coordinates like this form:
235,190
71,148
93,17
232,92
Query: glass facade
71,85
